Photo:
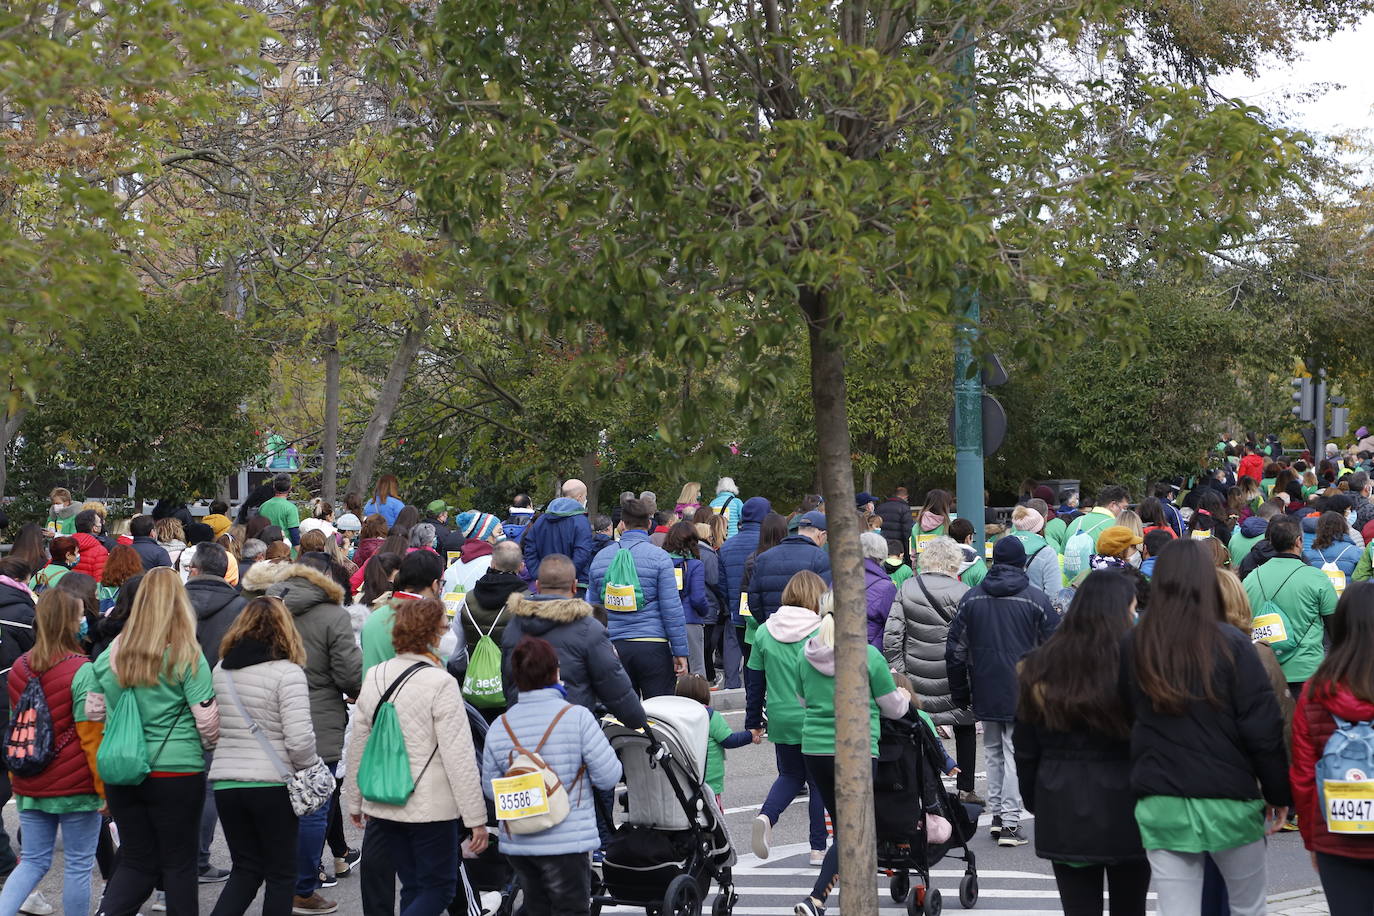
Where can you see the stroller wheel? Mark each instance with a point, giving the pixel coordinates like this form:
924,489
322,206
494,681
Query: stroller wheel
968,891
901,885
725,902
925,902
683,897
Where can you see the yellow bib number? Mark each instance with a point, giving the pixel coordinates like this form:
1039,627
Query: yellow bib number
519,796
677,572
1201,535
923,539
1349,806
453,603
620,599
454,556
744,605
1336,576
1269,628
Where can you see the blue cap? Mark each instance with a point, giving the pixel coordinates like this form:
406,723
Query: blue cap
812,520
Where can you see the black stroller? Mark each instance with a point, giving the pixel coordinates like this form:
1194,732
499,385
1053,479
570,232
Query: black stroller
671,845
907,787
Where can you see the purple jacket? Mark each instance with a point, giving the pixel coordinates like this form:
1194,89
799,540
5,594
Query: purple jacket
880,591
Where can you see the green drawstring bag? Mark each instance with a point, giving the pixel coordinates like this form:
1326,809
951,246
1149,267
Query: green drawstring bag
482,684
123,756
622,593
384,771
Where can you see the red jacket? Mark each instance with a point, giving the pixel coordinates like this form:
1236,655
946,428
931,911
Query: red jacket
69,773
1251,466
1312,726
93,556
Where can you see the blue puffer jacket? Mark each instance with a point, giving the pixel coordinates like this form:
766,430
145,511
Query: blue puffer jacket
774,568
735,552
997,623
576,741
732,507
1343,553
715,585
562,529
661,616
696,606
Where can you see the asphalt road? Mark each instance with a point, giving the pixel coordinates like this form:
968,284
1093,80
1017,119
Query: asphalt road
1010,880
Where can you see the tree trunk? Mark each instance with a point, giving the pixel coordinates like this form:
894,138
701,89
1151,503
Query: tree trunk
329,474
8,429
591,476
365,456
835,467
868,481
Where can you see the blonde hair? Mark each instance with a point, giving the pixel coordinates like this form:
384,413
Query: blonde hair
826,608
160,636
267,620
1235,604
169,529
95,506
1128,519
54,629
691,493
804,590
61,493
719,530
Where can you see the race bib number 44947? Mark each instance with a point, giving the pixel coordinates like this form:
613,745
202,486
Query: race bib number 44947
1349,806
519,796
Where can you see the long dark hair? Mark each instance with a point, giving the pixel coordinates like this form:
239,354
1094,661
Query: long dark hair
937,503
406,519
1349,663
377,576
1070,683
29,547
1151,512
682,539
771,532
1176,643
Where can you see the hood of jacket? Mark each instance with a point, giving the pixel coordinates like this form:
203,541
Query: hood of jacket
755,509
1345,704
820,656
544,614
1254,527
930,521
1003,580
564,507
209,595
87,541
175,545
495,588
249,651
874,571
473,549
301,587
968,556
792,624
64,512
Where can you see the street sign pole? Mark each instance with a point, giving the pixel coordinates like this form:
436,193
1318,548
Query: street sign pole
968,381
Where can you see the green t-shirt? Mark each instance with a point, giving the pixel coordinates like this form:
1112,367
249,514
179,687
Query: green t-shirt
1239,547
282,513
818,727
82,683
169,727
900,574
51,574
1198,824
715,753
1057,532
975,573
917,535
1306,595
779,663
245,784
1267,485
376,637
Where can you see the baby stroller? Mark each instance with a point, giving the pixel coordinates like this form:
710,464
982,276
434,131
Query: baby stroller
907,787
672,842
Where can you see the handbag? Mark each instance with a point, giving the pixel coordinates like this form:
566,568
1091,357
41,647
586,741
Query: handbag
309,789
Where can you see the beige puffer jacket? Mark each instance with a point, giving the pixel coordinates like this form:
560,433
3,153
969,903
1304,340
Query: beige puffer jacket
275,695
430,709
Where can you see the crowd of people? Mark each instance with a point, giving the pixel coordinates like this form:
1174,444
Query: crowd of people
1161,682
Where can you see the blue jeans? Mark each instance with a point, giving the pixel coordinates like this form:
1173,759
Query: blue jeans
310,846
80,831
426,859
792,775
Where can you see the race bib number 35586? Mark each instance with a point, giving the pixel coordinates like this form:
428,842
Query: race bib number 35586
519,796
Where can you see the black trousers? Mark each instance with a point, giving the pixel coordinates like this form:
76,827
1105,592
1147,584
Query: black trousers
258,824
1080,889
555,885
378,873
649,665
159,837
334,836
1348,883
965,755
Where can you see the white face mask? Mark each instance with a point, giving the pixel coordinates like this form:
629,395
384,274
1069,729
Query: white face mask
1135,560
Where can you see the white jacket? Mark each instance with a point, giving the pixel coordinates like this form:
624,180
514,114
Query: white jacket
275,695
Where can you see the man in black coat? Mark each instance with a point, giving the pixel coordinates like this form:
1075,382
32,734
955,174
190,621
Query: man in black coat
997,623
149,550
895,511
775,567
217,603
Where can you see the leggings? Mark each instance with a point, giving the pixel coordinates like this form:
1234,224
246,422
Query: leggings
966,755
1080,888
821,770
1348,883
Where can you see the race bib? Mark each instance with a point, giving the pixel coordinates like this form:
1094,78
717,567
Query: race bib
453,603
620,598
677,573
987,550
923,539
519,796
1349,806
1337,578
1269,628
1201,535
454,556
744,605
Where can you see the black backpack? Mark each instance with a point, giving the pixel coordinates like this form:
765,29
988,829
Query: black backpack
30,745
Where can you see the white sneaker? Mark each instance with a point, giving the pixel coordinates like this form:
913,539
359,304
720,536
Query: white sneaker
817,856
160,904
763,836
36,905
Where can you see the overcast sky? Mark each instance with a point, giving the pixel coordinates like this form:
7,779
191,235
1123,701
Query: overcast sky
1347,59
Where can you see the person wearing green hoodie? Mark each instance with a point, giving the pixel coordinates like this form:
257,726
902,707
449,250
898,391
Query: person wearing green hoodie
1042,560
1111,500
933,520
62,515
776,656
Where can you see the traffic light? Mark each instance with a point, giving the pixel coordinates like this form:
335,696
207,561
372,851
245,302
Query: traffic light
1304,399
1340,422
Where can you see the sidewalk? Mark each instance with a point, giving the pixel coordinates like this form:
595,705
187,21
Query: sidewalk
1308,902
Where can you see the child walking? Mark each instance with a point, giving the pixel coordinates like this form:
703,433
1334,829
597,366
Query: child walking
720,737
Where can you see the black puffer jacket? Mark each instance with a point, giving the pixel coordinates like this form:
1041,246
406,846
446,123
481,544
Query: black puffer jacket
16,632
1233,749
1078,784
914,642
217,605
775,567
897,523
486,606
590,669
